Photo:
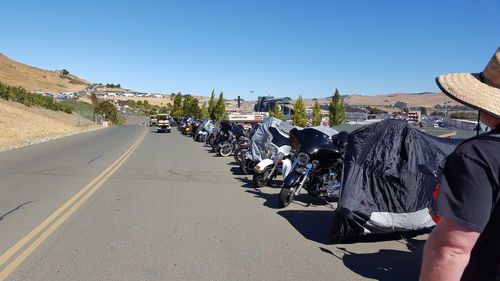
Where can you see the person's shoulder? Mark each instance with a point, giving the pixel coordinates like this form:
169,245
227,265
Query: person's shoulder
488,143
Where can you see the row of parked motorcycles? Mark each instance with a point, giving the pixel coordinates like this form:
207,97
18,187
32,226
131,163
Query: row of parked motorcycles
306,158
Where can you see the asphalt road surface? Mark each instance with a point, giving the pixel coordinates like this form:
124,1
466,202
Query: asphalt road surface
126,203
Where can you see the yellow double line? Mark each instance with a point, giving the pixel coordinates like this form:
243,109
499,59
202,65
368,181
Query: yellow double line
43,230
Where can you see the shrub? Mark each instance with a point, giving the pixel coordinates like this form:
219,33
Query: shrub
20,95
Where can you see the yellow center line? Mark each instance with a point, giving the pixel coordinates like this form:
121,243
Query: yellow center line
93,186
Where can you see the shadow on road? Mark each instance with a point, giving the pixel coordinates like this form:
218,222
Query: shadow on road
387,265
271,199
246,183
313,225
236,171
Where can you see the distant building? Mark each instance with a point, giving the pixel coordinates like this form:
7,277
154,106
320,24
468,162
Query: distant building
415,117
266,103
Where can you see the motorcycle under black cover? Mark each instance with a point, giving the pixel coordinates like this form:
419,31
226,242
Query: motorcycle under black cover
225,126
381,173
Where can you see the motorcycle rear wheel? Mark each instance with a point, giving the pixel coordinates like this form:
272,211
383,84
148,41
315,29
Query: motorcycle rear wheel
244,167
239,154
225,150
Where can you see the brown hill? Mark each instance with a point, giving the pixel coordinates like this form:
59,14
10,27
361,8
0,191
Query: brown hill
21,125
34,79
413,100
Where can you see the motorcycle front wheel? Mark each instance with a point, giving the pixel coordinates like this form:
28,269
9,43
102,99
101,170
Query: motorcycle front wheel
263,178
286,197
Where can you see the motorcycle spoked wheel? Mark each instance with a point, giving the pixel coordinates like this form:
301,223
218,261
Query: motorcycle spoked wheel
239,153
286,197
245,167
225,150
263,178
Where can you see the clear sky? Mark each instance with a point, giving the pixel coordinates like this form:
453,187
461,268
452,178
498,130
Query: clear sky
280,48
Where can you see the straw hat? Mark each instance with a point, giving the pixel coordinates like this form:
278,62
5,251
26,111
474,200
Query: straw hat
480,91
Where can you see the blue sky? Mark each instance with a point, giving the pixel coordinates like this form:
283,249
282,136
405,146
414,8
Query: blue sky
280,48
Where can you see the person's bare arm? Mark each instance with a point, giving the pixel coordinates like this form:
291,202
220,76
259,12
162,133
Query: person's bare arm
447,251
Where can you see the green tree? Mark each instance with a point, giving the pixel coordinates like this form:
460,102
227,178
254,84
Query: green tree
65,72
316,120
405,110
139,103
204,112
400,104
336,110
374,110
220,108
195,109
423,110
276,112
177,114
130,103
211,106
163,110
94,99
177,103
186,106
299,115
108,110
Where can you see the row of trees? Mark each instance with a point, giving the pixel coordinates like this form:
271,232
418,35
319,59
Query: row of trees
20,95
336,112
187,106
111,85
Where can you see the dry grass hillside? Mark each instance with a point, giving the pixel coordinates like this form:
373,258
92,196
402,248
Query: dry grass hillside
21,125
425,99
34,79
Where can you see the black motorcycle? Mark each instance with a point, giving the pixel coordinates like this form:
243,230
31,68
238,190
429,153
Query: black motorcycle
317,167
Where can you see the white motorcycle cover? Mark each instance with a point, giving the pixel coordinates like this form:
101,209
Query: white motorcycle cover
264,135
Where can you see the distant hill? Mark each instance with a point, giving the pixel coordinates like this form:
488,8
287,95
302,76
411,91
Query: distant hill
34,79
413,100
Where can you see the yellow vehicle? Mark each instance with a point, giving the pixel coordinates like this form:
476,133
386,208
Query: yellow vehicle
163,123
153,120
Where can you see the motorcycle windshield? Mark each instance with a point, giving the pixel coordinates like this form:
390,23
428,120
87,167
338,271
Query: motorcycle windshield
310,140
237,130
279,139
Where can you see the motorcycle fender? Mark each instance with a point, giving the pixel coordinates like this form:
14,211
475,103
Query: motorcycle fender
292,179
287,167
262,165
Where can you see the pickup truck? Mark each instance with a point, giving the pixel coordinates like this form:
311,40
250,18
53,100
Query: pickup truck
163,123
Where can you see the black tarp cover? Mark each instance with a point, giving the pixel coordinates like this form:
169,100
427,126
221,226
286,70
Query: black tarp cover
383,189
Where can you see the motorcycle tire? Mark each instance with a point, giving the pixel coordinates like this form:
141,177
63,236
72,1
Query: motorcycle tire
262,179
244,167
285,198
225,150
239,153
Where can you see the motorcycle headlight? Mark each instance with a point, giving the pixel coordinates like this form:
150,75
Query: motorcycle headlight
303,158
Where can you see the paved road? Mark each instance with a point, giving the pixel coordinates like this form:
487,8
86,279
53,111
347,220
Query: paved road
170,211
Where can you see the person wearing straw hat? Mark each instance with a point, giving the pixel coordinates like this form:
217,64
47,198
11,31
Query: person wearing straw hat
465,244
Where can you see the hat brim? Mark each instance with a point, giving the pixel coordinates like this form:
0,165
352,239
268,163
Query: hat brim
468,89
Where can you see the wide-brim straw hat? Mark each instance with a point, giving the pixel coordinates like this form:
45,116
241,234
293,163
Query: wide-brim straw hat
480,91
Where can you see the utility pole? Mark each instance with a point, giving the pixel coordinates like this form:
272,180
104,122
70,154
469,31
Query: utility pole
446,108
